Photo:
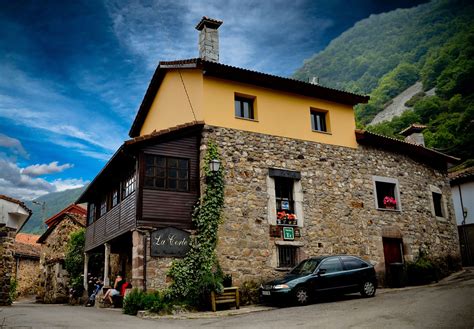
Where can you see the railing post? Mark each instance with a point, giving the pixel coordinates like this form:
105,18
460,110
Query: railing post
86,269
106,264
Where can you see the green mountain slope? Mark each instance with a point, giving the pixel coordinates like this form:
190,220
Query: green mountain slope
384,54
53,203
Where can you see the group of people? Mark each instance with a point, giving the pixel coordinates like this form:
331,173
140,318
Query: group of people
95,285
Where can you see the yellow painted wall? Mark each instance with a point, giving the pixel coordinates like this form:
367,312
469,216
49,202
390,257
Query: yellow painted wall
277,113
171,106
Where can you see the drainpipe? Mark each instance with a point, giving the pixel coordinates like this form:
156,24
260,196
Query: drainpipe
466,237
145,237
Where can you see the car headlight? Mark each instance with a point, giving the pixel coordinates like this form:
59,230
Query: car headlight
281,286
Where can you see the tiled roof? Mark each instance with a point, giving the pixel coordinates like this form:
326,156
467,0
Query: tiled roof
414,128
73,208
162,132
423,154
25,245
241,75
76,218
211,22
461,176
7,198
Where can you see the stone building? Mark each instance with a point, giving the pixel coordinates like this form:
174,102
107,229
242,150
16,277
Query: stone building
27,255
13,215
300,180
54,279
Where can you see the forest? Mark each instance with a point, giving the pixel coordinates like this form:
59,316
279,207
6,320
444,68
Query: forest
385,54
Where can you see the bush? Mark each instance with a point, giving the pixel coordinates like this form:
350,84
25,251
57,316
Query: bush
422,271
134,302
12,293
153,301
249,292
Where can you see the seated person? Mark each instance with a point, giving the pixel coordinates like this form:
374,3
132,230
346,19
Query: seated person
116,290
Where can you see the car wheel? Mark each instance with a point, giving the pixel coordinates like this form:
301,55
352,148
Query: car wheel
368,289
301,296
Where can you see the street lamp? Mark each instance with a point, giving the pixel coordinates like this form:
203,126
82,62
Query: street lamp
214,165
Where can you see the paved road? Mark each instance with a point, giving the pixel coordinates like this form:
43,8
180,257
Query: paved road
448,304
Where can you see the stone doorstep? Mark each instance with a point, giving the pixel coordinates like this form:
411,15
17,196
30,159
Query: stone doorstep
207,315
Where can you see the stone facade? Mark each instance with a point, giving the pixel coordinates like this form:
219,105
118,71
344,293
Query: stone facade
338,214
54,279
7,263
26,274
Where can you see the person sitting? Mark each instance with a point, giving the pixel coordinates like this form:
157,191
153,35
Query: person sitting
116,290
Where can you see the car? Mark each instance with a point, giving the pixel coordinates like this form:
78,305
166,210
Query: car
340,274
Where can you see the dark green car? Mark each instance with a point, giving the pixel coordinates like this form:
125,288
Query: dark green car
315,276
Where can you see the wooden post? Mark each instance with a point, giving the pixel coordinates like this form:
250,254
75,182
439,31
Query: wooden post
86,270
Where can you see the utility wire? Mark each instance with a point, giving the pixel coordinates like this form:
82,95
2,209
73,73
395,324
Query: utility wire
187,95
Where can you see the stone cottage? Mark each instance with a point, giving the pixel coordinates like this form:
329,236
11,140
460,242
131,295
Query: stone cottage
27,255
54,279
13,215
300,180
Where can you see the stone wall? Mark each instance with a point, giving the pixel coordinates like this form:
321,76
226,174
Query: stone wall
54,279
338,204
7,263
27,276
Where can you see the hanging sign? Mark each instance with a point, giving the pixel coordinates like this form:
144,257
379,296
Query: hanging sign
169,242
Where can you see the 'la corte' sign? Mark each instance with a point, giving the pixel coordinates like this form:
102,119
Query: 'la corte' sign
169,242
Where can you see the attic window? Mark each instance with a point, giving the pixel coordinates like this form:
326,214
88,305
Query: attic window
319,121
244,107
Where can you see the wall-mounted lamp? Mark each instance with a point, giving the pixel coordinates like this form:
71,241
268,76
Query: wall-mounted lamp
214,165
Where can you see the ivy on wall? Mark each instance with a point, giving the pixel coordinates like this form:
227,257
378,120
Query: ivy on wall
198,273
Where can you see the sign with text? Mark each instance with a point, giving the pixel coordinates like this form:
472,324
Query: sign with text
169,242
288,233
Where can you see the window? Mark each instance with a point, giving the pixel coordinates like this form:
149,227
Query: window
115,195
438,209
128,186
103,207
167,173
244,107
91,214
351,263
284,194
287,256
331,265
387,195
318,121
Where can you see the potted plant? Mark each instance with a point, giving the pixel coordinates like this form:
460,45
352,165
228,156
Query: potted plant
390,202
284,218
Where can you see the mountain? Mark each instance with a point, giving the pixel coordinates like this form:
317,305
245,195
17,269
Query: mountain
385,54
53,203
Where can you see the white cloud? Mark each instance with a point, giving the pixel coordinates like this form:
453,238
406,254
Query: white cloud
14,145
67,184
45,169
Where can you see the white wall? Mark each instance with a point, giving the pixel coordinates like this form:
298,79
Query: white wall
467,193
12,214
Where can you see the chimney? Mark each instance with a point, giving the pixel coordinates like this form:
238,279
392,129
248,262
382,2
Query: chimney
209,39
414,134
314,81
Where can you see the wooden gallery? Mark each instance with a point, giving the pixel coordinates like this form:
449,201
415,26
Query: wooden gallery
300,180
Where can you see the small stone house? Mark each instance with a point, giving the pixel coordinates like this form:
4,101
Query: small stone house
13,215
54,279
300,180
27,255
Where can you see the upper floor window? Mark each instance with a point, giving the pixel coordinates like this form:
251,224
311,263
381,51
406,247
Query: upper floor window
437,202
103,206
167,173
244,107
92,213
319,121
387,194
128,186
115,197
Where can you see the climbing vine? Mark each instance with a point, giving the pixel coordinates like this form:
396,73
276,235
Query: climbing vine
199,272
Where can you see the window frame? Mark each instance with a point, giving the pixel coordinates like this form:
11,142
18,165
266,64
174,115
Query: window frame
252,108
325,115
91,213
129,186
103,207
166,177
396,192
442,203
294,250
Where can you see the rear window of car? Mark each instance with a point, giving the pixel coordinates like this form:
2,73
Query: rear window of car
352,263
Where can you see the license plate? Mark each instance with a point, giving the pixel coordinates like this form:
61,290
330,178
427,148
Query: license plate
266,293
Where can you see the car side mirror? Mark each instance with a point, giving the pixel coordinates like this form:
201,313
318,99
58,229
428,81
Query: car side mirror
321,271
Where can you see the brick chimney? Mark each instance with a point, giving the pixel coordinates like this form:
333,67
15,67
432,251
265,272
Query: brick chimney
209,39
414,134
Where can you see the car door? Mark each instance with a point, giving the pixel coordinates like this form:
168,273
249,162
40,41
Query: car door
355,272
330,275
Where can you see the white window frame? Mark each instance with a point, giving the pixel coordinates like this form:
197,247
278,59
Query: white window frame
390,180
444,208
297,199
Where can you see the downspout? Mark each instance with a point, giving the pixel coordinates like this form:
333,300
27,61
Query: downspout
466,236
145,237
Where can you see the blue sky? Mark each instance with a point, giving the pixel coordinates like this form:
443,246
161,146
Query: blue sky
73,73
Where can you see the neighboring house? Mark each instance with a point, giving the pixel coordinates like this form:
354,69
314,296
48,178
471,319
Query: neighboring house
286,145
462,188
13,215
54,279
27,255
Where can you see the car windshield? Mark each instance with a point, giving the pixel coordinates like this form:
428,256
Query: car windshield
305,267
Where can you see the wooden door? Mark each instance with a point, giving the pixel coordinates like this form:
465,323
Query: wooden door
392,250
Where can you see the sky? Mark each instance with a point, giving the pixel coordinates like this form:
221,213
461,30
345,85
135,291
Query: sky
73,73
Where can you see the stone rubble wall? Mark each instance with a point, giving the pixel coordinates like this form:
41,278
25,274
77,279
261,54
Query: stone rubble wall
7,262
27,276
54,279
340,216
